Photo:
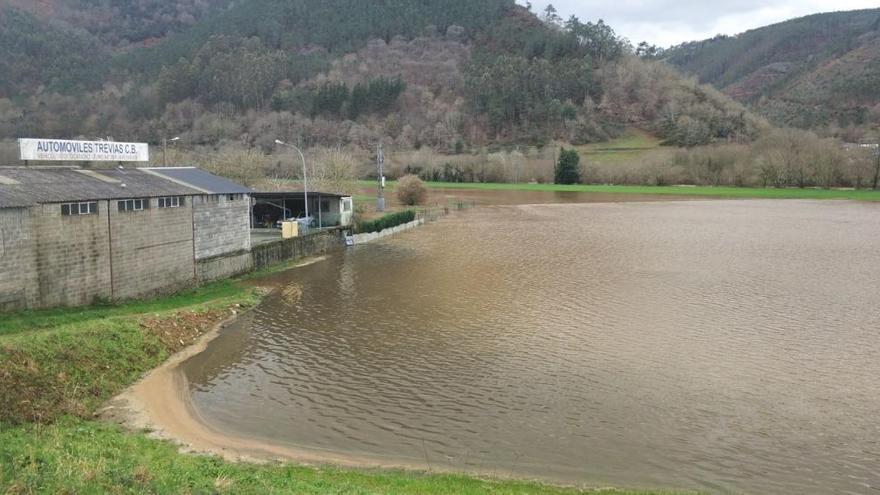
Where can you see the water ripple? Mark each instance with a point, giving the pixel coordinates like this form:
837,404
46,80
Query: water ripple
725,346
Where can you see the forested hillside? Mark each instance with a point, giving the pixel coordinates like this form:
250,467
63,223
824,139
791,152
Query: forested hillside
120,23
452,75
821,71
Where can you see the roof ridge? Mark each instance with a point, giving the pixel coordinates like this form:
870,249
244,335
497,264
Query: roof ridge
153,172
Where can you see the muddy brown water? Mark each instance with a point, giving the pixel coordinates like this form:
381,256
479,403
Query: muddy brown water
728,346
483,197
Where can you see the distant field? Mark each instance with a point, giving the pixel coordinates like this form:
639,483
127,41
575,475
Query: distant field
706,191
626,149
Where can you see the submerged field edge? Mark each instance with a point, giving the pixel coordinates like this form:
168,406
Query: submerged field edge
680,190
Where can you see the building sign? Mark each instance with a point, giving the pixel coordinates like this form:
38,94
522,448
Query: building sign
83,151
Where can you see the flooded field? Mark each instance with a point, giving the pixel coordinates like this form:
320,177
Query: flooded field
727,346
482,197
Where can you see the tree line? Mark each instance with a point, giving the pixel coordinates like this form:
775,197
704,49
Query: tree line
336,99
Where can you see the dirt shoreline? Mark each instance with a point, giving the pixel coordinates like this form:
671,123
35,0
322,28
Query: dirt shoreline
161,404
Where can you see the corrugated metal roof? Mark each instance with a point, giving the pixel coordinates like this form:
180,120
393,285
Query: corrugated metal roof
28,186
294,194
199,179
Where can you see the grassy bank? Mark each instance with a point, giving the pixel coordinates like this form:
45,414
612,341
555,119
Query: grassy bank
69,361
75,456
58,367
701,191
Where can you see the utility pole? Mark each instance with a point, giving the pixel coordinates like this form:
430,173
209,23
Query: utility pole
380,162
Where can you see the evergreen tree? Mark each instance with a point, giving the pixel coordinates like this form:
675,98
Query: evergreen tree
330,98
551,16
568,169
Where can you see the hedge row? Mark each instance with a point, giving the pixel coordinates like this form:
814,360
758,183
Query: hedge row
386,222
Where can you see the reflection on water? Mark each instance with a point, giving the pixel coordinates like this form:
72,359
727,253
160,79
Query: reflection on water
727,346
443,197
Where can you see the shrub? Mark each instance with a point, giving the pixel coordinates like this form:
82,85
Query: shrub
386,222
411,190
568,167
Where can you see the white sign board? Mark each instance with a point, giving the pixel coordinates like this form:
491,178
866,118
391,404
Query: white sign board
83,151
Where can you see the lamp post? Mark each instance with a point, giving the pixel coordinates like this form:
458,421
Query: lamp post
877,167
305,180
165,149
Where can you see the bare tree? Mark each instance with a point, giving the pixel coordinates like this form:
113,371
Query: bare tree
334,170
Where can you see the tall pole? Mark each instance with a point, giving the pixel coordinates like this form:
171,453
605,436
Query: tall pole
380,195
305,178
165,149
877,166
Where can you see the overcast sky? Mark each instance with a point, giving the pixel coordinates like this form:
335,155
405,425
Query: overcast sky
670,22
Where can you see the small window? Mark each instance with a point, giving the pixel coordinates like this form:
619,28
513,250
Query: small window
346,205
234,197
212,198
171,202
85,208
133,204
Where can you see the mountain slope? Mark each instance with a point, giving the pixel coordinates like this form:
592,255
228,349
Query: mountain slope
120,23
338,26
816,71
449,75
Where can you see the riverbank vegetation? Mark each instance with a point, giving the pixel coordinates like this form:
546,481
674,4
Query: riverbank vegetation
385,222
780,158
697,191
783,159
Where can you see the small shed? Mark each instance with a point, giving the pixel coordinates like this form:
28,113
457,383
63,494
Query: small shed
325,209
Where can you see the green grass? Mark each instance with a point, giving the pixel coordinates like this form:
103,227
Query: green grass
75,456
632,140
58,367
69,361
628,148
214,294
702,191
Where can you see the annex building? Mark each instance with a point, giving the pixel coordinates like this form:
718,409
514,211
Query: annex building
72,236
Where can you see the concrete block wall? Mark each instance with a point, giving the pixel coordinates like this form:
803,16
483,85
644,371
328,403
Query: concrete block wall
152,250
372,236
18,276
222,226
223,266
266,255
72,257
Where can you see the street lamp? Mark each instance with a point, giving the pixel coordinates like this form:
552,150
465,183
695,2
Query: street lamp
876,148
305,181
165,149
